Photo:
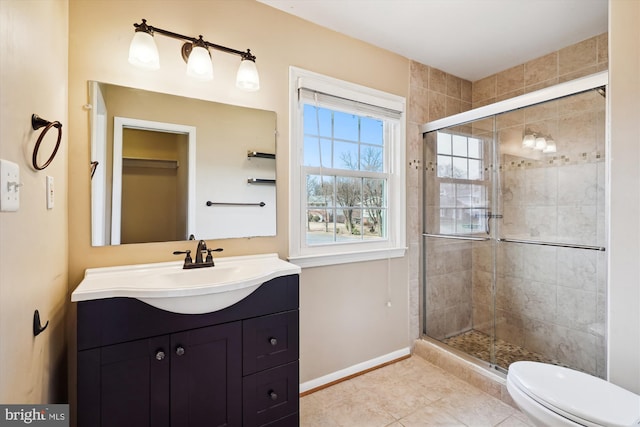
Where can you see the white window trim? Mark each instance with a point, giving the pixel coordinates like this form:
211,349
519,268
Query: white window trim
341,253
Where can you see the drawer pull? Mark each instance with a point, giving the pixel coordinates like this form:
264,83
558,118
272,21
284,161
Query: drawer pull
273,341
180,350
159,355
273,395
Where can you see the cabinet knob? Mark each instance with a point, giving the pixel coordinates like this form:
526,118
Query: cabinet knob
273,341
179,350
273,395
159,355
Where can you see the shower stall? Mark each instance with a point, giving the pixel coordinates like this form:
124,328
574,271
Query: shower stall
514,228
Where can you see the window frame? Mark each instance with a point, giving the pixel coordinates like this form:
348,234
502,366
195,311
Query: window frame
345,252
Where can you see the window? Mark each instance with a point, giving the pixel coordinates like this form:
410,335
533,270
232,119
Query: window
463,191
347,175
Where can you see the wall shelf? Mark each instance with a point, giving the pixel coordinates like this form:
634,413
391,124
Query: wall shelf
136,162
261,181
260,155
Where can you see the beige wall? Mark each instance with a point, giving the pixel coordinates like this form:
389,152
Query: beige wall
624,250
100,31
33,241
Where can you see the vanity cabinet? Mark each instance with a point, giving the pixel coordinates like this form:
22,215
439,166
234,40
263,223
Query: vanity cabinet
143,366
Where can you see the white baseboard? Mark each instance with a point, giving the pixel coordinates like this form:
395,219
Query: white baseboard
355,369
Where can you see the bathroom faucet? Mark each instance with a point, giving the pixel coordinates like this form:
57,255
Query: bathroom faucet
199,262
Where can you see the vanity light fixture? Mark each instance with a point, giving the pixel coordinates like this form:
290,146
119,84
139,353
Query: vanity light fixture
538,142
195,51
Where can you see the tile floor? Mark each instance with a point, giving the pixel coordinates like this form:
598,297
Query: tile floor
412,392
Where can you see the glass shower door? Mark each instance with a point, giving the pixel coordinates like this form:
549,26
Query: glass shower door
459,251
551,264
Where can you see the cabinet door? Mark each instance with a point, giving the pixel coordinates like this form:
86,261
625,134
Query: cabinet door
206,377
134,384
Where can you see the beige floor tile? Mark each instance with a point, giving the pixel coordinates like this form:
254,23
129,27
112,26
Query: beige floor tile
412,392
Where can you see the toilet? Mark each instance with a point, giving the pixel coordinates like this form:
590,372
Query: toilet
556,396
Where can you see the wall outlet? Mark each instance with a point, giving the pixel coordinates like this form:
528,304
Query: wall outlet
50,193
9,186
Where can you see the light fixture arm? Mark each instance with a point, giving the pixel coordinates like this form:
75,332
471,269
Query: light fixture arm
151,29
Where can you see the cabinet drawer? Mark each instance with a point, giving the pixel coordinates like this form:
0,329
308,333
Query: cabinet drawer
270,395
269,341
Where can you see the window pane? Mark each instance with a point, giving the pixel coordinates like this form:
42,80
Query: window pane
348,224
459,146
371,131
475,169
444,167
348,191
317,121
320,195
345,155
314,150
345,126
444,143
371,159
374,194
460,168
320,226
475,146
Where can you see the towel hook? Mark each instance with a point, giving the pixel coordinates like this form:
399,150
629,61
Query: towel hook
37,326
36,123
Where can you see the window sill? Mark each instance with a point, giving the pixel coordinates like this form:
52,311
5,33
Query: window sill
307,261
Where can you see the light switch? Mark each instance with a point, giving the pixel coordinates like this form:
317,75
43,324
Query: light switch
50,192
9,186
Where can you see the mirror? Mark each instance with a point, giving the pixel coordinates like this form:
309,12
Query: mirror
166,167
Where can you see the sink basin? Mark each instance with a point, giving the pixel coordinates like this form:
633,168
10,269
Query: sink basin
169,287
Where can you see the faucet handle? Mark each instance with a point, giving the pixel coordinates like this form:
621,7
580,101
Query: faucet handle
187,258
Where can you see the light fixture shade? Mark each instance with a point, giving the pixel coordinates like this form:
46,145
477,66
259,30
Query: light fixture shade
143,52
529,141
541,143
247,77
199,65
550,147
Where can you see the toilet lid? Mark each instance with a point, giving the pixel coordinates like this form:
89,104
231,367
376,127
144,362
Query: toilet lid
576,395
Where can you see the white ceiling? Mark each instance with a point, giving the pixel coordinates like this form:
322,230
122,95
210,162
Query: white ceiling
471,39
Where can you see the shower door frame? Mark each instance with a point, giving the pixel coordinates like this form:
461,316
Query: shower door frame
558,91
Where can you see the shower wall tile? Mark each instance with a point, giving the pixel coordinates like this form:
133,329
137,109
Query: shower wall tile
577,309
509,328
510,80
437,81
583,58
541,69
452,106
577,269
454,87
577,224
603,48
541,187
418,76
578,56
578,184
576,349
437,105
483,90
540,222
541,263
418,110
465,92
